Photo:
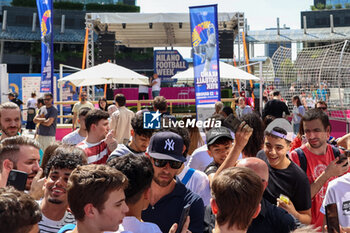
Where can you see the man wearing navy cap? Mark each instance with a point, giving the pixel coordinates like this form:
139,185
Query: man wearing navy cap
168,194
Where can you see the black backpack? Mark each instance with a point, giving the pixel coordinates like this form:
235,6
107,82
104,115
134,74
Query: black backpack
302,157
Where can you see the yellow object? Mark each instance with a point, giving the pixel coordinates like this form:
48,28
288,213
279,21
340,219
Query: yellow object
284,198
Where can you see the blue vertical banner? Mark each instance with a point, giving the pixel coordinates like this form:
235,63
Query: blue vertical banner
45,10
204,40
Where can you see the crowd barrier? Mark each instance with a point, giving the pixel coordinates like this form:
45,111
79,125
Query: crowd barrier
340,125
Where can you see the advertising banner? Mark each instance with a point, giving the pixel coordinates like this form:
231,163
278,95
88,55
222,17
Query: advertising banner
45,10
167,63
204,39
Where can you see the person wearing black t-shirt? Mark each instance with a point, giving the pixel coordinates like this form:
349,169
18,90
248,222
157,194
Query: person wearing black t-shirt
286,177
275,107
13,98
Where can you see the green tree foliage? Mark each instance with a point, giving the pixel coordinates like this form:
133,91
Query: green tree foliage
329,7
313,8
338,6
320,6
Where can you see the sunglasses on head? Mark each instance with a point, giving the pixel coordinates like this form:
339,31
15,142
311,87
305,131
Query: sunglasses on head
162,163
322,108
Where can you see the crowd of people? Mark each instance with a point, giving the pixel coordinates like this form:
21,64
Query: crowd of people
110,174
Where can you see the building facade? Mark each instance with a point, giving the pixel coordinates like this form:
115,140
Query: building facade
271,48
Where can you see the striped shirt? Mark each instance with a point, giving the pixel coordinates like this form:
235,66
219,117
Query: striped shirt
49,226
96,153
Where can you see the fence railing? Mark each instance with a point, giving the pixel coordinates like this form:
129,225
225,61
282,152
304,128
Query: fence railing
140,104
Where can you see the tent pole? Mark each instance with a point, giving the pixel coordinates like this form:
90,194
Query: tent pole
247,61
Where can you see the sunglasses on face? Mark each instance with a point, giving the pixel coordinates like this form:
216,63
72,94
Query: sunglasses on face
322,108
162,163
47,99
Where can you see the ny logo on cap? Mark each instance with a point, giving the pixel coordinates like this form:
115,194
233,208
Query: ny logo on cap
169,144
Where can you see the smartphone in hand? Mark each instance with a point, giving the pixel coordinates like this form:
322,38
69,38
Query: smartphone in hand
184,214
17,179
232,123
342,158
332,218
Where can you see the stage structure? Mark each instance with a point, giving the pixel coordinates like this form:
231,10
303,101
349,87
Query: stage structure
145,30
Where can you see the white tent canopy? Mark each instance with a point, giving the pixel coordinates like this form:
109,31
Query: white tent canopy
227,73
106,73
141,30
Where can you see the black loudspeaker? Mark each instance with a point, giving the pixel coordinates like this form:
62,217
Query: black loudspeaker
109,93
105,46
226,44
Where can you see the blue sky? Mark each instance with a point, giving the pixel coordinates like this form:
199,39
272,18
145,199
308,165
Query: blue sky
260,14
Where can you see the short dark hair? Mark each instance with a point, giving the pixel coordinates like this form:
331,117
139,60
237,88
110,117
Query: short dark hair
49,94
137,126
278,130
40,100
138,170
221,141
97,181
321,102
83,111
94,116
120,99
314,114
227,110
160,103
18,211
10,147
237,192
66,157
276,93
48,153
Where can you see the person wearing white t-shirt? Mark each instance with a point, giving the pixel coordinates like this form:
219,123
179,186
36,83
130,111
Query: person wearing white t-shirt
338,191
196,181
155,85
79,134
55,202
31,106
200,158
143,92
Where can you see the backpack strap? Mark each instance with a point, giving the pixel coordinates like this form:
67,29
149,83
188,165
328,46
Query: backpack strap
336,151
302,158
187,176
